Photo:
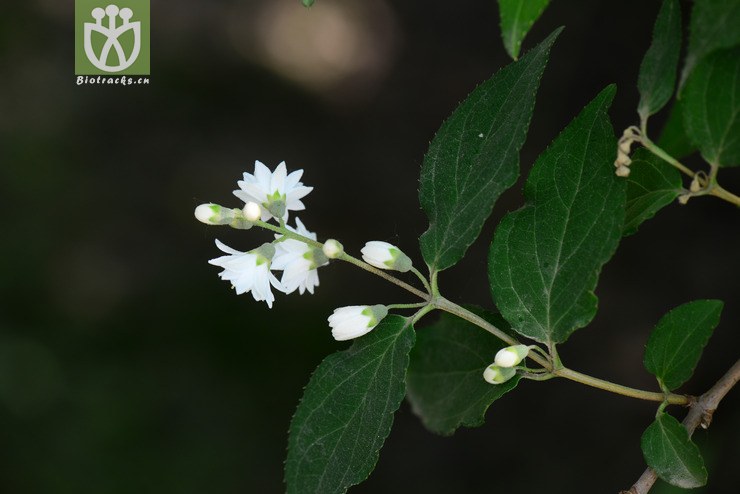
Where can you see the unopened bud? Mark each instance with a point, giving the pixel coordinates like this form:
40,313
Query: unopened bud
333,249
695,184
385,256
356,320
622,160
684,198
213,214
511,356
623,171
252,211
625,145
631,132
498,375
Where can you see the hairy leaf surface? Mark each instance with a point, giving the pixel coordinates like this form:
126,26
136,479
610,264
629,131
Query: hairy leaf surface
669,451
652,185
517,17
475,157
676,343
545,258
711,104
445,383
347,411
657,76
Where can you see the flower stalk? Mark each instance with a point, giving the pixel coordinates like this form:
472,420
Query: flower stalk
297,252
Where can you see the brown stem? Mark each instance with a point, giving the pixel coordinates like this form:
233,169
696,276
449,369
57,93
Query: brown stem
700,414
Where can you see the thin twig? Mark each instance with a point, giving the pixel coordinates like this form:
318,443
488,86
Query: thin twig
670,398
560,371
344,257
713,188
700,414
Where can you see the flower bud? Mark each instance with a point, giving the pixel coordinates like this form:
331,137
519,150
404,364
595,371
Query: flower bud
355,320
625,145
511,356
695,184
213,214
622,160
333,249
498,375
385,256
252,211
623,171
683,199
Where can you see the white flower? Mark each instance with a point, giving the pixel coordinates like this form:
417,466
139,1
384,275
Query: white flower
498,375
385,256
511,356
278,192
355,320
298,261
249,271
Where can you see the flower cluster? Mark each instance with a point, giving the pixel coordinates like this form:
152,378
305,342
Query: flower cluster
623,161
503,367
270,195
267,195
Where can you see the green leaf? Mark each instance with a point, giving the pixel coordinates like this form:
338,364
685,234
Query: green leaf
669,451
652,185
714,24
517,17
445,382
475,157
657,76
545,258
676,343
347,411
673,139
711,107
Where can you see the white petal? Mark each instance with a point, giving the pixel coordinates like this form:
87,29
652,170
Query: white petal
377,253
295,205
298,193
256,191
293,179
350,330
248,178
343,314
312,281
278,178
247,197
276,283
302,230
263,176
226,248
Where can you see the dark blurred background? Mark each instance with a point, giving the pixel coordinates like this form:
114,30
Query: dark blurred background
126,365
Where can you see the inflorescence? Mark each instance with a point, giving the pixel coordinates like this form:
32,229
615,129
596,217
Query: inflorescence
270,196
